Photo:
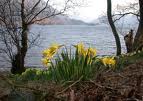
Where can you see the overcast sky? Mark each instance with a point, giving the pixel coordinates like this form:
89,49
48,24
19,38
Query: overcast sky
94,9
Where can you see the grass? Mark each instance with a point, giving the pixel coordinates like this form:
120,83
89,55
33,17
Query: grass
127,59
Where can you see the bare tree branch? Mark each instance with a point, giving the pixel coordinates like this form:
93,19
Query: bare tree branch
129,9
16,16
123,14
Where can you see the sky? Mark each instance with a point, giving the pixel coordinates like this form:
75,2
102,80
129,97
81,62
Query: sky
95,9
92,9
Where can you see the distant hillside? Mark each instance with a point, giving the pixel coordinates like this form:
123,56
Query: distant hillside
61,20
127,21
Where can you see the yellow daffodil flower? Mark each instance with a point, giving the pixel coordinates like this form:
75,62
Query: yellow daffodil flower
45,61
80,48
112,61
91,52
84,52
107,61
51,51
45,52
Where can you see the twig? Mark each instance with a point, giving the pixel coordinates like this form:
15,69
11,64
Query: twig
70,86
139,82
102,86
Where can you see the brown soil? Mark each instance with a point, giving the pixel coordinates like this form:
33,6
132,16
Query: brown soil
110,86
126,85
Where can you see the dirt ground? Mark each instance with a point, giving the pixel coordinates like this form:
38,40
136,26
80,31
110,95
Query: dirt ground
110,86
126,85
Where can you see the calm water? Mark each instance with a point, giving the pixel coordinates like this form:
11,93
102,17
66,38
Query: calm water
98,36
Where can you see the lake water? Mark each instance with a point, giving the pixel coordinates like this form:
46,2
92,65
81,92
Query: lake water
99,36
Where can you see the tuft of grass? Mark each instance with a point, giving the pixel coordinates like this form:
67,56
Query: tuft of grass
127,59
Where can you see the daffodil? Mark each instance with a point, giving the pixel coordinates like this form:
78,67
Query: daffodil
45,52
91,52
45,61
80,48
107,61
51,51
84,52
112,61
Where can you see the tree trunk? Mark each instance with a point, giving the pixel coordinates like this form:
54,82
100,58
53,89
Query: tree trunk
18,62
129,41
110,20
138,41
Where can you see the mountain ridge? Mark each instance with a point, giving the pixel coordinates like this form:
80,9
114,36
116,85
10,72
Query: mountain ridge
62,20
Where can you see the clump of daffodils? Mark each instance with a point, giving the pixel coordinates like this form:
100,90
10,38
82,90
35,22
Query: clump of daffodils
86,52
109,61
49,53
91,52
